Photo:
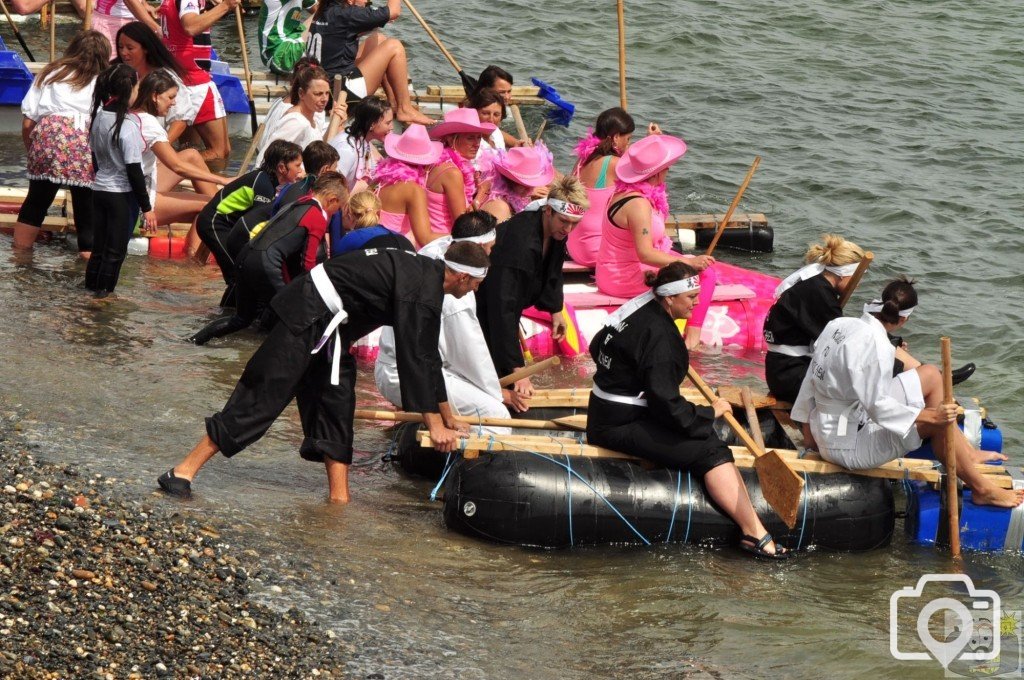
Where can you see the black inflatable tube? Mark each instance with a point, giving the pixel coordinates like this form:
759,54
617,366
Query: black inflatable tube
524,499
751,238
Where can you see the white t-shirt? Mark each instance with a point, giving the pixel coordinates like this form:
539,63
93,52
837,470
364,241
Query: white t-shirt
293,127
112,156
357,160
183,108
486,151
59,99
152,132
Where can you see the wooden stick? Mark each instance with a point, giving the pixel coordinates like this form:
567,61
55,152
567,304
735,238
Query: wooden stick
339,96
862,268
411,417
952,497
540,130
87,20
53,30
520,125
433,36
17,33
621,11
245,65
732,208
529,370
256,138
752,420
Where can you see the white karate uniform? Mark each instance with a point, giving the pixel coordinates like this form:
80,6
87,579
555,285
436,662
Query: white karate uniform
469,374
859,414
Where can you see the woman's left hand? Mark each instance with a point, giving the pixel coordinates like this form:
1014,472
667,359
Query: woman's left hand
700,262
653,129
340,110
149,221
539,192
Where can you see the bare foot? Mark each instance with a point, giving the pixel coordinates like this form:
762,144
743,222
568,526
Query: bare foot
987,456
413,115
85,255
1001,498
339,500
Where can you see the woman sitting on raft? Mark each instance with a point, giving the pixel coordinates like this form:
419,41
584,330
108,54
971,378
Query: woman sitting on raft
635,406
633,239
597,155
520,175
499,81
490,108
451,183
401,181
859,416
309,96
370,121
334,41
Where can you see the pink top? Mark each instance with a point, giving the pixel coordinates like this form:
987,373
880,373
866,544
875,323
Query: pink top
584,241
619,271
397,222
440,216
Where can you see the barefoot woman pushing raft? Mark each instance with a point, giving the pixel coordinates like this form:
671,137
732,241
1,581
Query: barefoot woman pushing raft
306,357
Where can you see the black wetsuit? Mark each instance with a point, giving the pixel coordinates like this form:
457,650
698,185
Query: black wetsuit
645,358
386,287
218,216
521,275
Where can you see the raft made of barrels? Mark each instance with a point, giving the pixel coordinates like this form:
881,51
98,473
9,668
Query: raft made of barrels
747,232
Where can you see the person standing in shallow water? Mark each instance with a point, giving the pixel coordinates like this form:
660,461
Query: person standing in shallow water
337,303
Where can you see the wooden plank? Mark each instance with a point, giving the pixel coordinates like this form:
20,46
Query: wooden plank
711,220
728,392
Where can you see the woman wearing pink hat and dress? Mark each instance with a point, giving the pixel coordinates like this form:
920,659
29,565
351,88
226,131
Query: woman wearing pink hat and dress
633,239
401,183
518,175
451,183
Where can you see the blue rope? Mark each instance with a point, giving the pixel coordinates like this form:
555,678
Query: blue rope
803,521
689,506
449,463
675,505
568,486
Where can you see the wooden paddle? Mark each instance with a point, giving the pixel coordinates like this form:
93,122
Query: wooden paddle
753,422
952,497
780,484
339,96
468,83
862,268
17,33
245,65
732,208
528,371
520,125
621,11
411,417
253,145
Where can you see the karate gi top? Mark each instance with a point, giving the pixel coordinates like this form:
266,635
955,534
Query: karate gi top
801,313
520,276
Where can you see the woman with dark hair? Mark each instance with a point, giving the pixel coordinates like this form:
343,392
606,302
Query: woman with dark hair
499,81
55,130
158,92
490,107
119,189
371,121
859,416
334,40
310,93
635,405
140,48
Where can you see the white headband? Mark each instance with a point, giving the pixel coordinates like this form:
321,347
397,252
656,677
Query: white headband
482,238
843,269
475,272
677,287
565,208
875,306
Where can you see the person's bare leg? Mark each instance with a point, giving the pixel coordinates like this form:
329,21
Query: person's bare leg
196,459
909,362
337,481
388,61
178,206
726,487
167,180
691,336
214,134
25,236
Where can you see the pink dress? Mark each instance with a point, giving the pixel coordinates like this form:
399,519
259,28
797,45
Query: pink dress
620,272
584,241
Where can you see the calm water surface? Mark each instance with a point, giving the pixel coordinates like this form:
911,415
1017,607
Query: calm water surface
897,124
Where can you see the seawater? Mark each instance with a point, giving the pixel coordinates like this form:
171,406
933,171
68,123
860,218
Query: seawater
896,124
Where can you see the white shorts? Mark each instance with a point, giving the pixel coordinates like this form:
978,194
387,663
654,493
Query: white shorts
875,444
205,103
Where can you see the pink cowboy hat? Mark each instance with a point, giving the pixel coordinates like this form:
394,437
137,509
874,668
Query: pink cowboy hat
459,122
526,165
413,146
649,156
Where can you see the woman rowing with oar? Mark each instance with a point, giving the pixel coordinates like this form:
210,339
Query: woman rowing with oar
633,239
635,404
859,416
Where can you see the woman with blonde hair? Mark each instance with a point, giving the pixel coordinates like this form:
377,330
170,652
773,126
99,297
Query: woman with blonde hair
361,216
805,302
55,129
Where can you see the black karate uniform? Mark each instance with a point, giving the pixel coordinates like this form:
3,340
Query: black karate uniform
645,357
521,275
377,288
797,318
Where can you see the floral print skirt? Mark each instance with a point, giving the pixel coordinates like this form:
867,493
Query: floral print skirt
60,153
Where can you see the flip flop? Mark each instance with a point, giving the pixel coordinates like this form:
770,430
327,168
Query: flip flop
757,548
175,486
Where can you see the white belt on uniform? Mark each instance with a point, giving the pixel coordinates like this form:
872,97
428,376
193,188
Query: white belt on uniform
833,407
790,350
333,301
619,398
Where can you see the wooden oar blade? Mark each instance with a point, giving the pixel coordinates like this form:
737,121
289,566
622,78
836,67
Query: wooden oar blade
781,486
576,422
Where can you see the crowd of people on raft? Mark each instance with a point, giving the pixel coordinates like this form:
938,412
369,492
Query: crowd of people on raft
443,235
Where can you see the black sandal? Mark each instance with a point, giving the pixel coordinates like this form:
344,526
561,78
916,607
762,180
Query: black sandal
757,548
175,486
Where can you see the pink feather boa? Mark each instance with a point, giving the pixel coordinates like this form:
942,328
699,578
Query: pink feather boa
656,195
504,188
392,171
586,146
452,156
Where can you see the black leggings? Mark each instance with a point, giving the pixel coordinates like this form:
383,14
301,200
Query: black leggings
41,193
114,215
252,294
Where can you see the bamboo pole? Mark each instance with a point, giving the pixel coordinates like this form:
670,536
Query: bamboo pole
87,20
862,268
732,208
528,371
621,11
53,30
952,497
